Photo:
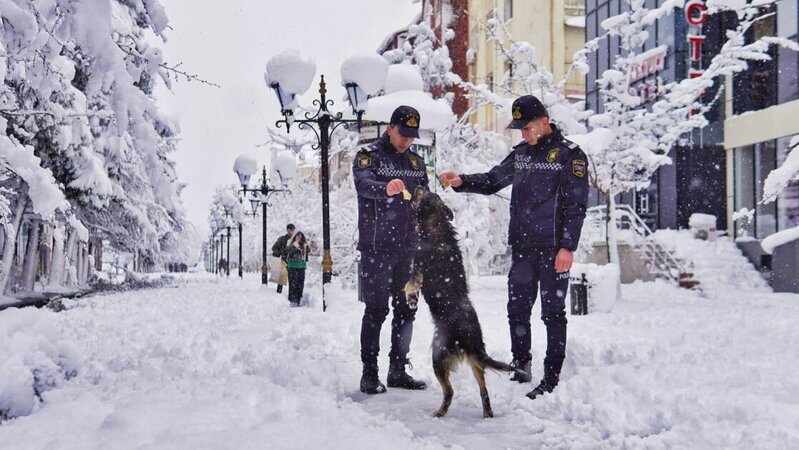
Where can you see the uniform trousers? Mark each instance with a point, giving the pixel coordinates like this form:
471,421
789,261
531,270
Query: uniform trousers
383,276
532,269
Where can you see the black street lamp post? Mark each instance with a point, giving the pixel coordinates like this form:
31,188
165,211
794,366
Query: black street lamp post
322,123
227,263
241,273
264,191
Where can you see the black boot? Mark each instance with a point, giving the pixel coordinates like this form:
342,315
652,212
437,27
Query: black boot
279,288
370,383
523,374
398,378
545,387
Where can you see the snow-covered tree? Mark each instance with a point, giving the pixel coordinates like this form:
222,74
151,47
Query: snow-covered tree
76,81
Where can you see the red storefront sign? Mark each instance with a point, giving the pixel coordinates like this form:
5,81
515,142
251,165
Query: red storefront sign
696,16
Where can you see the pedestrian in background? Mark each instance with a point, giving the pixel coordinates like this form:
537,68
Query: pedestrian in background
296,257
280,275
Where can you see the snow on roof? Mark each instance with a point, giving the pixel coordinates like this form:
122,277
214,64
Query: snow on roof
293,72
435,114
403,77
404,86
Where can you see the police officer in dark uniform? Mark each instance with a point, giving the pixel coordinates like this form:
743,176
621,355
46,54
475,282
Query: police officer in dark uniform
548,201
385,174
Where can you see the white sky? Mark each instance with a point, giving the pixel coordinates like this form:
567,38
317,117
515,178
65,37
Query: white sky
229,43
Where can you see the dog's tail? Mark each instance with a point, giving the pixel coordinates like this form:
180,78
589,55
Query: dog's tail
493,364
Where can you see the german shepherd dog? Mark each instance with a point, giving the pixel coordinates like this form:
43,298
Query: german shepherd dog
438,271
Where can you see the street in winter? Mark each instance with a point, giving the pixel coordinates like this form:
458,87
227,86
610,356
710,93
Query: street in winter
402,224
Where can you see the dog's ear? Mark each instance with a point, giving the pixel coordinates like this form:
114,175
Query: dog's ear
418,195
441,206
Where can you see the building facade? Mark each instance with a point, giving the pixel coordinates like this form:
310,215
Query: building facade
555,28
763,103
696,180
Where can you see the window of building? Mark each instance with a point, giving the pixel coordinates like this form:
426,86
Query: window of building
744,163
787,18
752,165
508,9
765,162
788,200
788,61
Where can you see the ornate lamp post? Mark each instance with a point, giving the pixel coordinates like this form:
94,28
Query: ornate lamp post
258,195
227,226
283,71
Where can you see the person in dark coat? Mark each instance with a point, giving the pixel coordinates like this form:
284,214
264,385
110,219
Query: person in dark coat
280,246
385,175
549,176
296,257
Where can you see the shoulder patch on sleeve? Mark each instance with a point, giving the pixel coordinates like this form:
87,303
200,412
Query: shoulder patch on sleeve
416,161
364,160
579,168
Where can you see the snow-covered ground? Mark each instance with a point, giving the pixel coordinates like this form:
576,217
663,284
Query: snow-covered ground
227,364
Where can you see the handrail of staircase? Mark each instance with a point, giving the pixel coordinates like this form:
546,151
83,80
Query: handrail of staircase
642,230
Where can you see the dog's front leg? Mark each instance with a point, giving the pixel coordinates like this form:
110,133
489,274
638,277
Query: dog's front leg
413,286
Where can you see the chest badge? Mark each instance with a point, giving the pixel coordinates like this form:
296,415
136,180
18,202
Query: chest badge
414,162
364,161
552,155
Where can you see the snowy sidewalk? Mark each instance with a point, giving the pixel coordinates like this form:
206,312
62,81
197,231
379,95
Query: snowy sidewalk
227,364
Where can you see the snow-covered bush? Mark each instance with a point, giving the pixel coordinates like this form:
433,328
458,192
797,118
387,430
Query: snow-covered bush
35,359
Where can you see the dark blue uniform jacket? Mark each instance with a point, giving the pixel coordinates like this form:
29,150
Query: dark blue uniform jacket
386,223
550,191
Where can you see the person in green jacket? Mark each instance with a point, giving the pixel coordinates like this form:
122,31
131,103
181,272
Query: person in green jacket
277,251
296,256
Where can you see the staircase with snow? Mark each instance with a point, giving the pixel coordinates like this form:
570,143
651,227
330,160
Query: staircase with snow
713,266
718,265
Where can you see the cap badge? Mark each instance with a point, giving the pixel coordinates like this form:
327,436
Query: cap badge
412,122
517,112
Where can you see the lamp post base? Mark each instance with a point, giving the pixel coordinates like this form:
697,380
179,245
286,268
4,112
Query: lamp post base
327,267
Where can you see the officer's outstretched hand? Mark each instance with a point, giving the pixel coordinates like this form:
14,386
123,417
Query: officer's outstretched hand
450,178
394,187
564,260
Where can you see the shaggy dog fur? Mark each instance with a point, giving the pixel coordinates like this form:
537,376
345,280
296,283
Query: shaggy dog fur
438,271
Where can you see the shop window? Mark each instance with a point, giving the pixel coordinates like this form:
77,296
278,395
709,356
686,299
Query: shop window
788,200
744,186
787,18
766,214
508,9
788,75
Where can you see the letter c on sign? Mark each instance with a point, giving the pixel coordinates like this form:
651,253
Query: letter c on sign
695,12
